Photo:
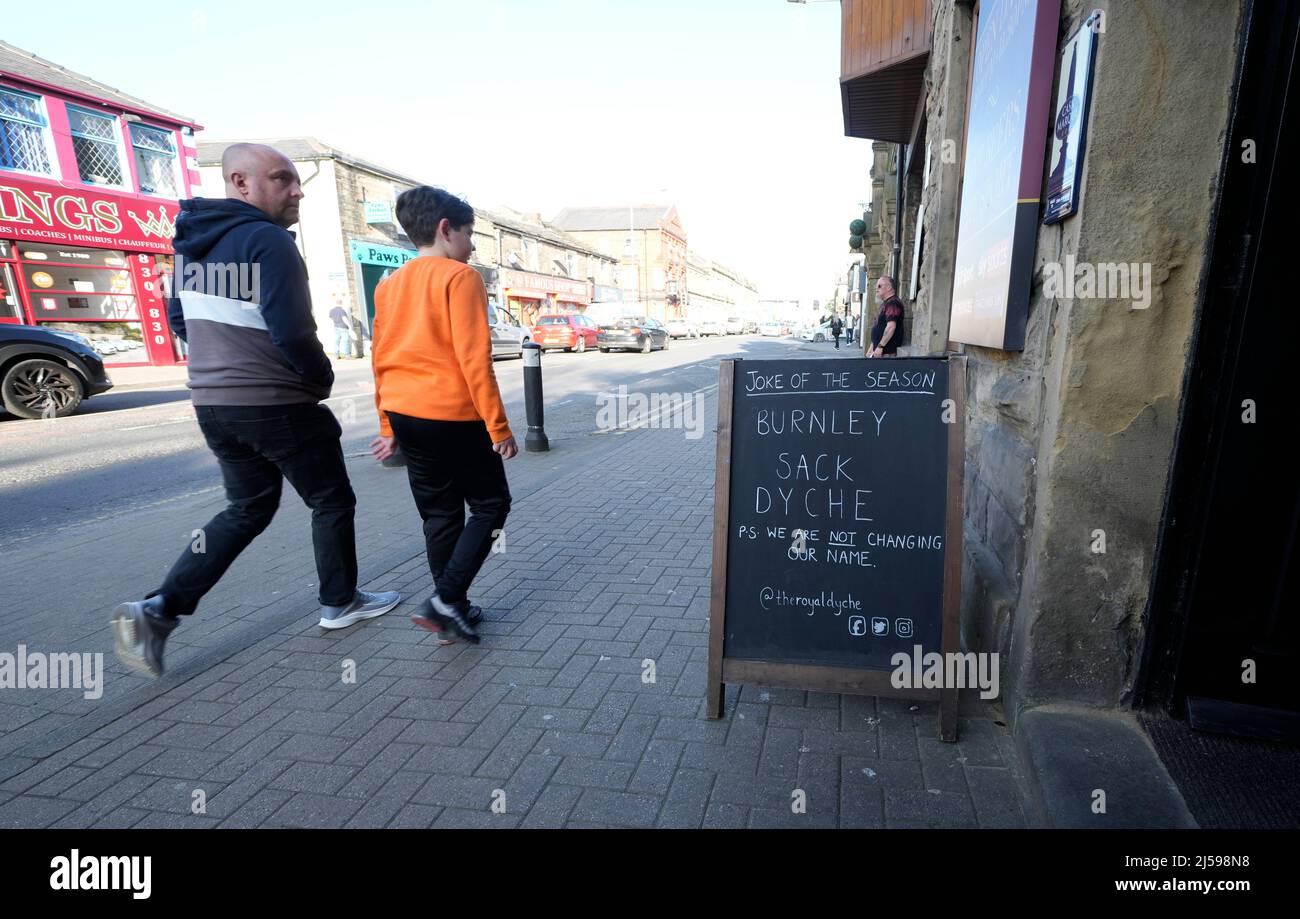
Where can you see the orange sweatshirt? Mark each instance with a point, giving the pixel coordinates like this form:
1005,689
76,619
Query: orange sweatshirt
431,347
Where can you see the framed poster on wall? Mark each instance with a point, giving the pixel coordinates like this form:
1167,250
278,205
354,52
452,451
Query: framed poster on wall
1070,120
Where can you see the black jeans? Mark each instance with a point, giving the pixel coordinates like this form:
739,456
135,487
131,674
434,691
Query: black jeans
258,446
837,340
451,464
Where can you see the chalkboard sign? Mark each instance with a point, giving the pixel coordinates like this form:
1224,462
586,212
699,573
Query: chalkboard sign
837,523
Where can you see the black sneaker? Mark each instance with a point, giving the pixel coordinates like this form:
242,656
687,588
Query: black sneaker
140,631
475,614
439,616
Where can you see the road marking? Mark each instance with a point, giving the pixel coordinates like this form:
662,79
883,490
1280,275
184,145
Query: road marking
664,409
156,424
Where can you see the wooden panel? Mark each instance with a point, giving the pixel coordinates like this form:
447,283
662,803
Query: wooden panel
715,700
875,34
821,679
900,11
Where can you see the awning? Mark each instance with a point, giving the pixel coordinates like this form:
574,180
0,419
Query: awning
882,104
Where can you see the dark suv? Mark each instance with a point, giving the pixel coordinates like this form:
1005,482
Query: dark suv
45,373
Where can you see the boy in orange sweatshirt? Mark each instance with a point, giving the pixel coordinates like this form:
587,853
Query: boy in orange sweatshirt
438,399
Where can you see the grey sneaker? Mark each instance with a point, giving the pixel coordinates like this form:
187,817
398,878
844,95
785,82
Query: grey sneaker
364,605
140,631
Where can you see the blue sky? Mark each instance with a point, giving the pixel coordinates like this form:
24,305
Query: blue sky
728,108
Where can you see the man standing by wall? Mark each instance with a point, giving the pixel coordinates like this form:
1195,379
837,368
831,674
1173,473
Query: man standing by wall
342,330
257,374
887,333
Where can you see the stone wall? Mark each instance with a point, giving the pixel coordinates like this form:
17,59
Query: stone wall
1075,434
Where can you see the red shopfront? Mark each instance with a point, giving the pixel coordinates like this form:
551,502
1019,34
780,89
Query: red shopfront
529,295
89,261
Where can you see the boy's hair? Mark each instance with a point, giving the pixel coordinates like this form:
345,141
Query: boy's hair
421,209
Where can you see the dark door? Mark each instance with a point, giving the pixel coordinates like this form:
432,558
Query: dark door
371,275
1225,643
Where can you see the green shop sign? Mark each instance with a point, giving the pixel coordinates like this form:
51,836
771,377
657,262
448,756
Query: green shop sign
372,254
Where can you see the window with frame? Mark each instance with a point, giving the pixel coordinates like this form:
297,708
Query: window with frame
94,138
23,133
155,160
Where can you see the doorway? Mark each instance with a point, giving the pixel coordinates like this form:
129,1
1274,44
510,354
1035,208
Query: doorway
1223,646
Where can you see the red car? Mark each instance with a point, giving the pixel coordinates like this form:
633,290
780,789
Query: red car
570,331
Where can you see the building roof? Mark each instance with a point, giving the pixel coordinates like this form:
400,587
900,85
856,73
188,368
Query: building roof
21,65
300,149
644,217
520,224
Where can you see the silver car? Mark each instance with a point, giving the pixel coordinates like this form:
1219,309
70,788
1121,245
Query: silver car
508,336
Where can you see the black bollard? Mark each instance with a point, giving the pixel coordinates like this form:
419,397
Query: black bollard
535,441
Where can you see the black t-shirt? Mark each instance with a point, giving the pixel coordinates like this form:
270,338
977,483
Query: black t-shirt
890,311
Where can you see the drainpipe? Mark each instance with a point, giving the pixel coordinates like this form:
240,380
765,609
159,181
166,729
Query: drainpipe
898,217
302,239
501,260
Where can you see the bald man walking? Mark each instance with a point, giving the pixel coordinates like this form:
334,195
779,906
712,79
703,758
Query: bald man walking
257,375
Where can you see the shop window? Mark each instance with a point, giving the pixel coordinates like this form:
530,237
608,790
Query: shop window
70,283
46,306
24,130
78,280
116,342
95,140
155,160
10,306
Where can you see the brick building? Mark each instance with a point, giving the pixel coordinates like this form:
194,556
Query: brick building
716,292
90,182
350,239
650,244
535,268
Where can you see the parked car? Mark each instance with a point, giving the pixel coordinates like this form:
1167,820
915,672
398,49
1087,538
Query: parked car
570,331
633,333
681,328
508,336
735,326
751,327
710,327
42,369
817,332
772,330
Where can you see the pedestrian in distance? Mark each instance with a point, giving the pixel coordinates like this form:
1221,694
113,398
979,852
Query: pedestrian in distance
887,333
257,375
438,400
837,328
342,331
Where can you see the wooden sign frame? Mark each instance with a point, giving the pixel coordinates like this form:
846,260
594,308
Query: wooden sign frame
850,680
